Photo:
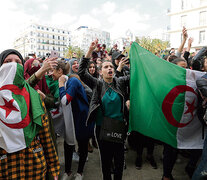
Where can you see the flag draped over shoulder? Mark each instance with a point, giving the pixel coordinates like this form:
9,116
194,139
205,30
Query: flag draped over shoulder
20,109
163,100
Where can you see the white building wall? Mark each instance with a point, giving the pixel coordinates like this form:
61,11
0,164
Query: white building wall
83,36
187,13
41,39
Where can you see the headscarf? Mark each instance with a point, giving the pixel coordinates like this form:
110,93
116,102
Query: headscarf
29,71
73,74
71,61
7,52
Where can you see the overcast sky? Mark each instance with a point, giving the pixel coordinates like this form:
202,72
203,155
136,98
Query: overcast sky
142,17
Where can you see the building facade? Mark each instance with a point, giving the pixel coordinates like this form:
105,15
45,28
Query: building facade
121,42
124,41
193,15
83,36
41,39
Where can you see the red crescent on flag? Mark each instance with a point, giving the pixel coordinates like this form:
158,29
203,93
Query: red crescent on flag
25,122
168,103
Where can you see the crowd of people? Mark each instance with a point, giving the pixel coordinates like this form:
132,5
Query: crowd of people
83,101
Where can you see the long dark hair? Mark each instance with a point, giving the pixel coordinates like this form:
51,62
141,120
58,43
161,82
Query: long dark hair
76,76
96,69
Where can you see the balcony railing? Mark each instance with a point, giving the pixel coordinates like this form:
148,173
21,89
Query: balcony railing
56,44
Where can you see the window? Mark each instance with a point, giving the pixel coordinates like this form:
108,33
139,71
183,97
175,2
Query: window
38,27
42,28
63,38
58,37
47,35
47,29
58,48
201,37
202,18
183,20
63,32
38,34
183,4
53,36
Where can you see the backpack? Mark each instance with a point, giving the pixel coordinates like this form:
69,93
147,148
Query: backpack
202,110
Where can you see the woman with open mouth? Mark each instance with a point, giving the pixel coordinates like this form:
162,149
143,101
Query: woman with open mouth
107,110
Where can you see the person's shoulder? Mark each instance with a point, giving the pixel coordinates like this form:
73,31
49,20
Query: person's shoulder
74,80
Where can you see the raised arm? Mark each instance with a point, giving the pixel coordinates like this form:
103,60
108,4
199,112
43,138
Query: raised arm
187,52
88,79
190,41
48,64
185,37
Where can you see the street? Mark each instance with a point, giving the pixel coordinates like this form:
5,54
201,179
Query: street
92,170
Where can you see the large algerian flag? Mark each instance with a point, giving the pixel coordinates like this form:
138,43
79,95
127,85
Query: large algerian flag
163,100
20,109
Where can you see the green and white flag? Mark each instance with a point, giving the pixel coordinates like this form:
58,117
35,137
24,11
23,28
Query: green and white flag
163,100
20,109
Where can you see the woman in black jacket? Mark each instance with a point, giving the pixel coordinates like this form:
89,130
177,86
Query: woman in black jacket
108,100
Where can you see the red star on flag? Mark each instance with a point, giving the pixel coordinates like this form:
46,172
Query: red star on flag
191,107
8,106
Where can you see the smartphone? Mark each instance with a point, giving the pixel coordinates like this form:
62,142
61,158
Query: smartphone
54,54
